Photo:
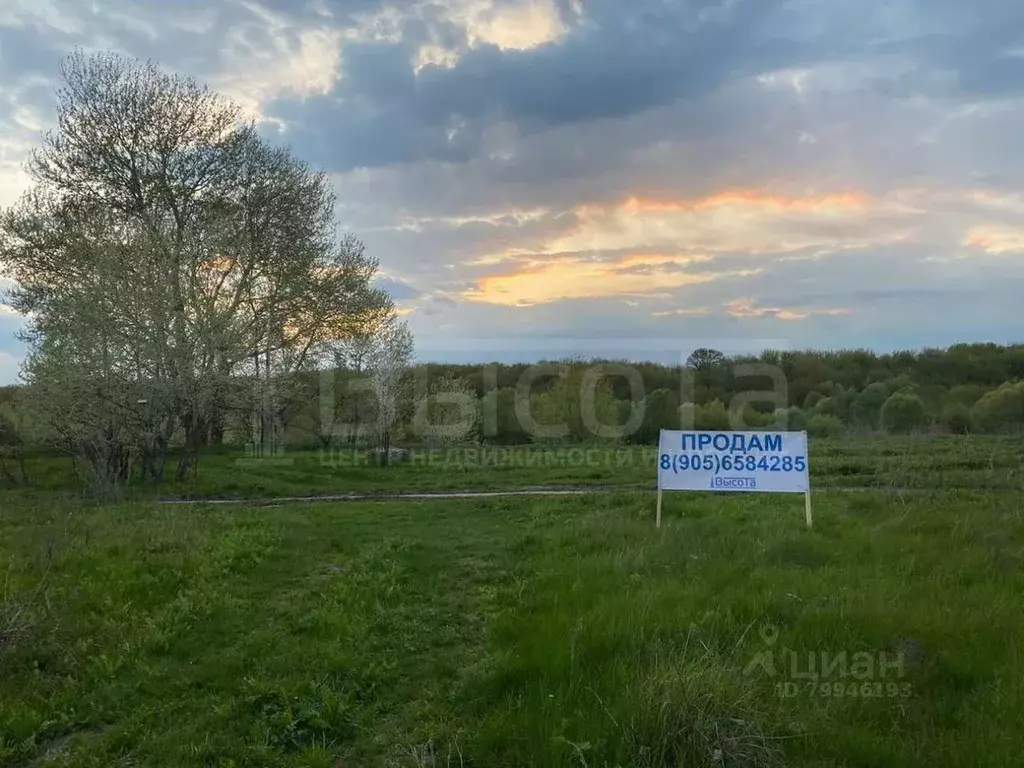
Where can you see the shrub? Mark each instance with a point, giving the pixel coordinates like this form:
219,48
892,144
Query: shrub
956,418
793,419
866,407
824,425
966,394
755,419
500,423
1001,410
14,436
827,406
713,417
813,398
903,413
448,413
661,411
573,416
687,416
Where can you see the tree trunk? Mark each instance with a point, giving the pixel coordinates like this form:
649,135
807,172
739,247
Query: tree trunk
24,467
12,481
196,428
216,435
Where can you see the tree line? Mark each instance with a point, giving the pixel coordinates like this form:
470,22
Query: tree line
369,393
962,389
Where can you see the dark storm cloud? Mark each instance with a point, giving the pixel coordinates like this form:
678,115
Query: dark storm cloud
625,59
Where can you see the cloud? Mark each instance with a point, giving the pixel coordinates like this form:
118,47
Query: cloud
21,120
997,200
744,199
519,25
748,308
574,277
683,312
399,290
269,56
749,221
539,72
512,218
247,50
49,15
996,239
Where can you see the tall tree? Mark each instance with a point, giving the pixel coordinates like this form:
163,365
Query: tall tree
165,252
705,360
389,356
448,412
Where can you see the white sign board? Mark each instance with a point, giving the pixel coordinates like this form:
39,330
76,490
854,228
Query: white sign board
765,462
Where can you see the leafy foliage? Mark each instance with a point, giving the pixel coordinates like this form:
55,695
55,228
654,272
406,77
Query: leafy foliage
1001,410
825,425
579,407
956,418
449,412
661,411
903,413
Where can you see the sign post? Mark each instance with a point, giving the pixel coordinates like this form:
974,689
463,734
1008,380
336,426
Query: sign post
760,462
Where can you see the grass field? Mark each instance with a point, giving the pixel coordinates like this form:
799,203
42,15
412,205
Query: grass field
933,463
524,632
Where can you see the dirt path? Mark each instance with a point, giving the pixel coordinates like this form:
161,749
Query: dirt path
421,495
581,490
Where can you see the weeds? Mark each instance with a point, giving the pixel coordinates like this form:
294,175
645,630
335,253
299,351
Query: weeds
19,611
426,756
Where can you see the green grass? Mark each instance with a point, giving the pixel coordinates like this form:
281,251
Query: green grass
512,632
912,463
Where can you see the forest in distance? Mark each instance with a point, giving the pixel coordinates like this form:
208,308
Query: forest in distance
960,389
966,388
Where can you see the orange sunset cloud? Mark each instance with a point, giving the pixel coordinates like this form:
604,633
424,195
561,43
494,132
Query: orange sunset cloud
742,220
543,282
665,240
996,239
745,198
745,220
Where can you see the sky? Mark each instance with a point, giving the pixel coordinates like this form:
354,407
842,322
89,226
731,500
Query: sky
608,178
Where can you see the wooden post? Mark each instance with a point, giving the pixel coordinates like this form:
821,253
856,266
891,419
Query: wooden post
807,507
658,523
